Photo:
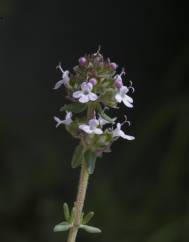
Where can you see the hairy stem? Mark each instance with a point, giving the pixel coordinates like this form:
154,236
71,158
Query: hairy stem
78,205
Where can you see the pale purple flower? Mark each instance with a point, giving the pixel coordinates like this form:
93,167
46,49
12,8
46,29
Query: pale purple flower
117,132
118,79
121,96
91,127
65,78
85,95
66,121
82,61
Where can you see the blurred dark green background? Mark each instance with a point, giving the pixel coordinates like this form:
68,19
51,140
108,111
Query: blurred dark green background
140,191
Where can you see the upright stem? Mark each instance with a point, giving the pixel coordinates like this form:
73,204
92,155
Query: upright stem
78,205
82,189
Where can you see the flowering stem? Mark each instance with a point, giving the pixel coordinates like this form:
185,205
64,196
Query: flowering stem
78,205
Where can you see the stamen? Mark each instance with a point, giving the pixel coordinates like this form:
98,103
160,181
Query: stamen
126,121
123,72
131,87
59,67
98,51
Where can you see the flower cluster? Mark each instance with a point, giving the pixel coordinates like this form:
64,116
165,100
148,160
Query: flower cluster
93,87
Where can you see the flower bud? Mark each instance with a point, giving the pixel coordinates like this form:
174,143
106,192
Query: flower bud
113,65
93,81
118,81
82,61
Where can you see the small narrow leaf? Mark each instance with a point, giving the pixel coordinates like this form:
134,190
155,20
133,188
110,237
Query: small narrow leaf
64,226
66,211
90,158
90,229
88,217
74,107
106,117
77,156
82,215
72,215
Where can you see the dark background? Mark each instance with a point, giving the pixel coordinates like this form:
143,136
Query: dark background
140,191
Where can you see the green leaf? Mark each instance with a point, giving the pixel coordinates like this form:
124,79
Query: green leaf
90,229
72,215
66,211
82,215
64,226
74,107
88,217
90,158
77,156
106,117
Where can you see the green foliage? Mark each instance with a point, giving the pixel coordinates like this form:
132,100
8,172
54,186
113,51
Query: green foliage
63,226
66,212
77,156
105,116
90,229
72,215
74,107
87,218
90,158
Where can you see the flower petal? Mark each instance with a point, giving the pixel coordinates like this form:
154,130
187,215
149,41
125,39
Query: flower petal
85,86
92,96
59,121
116,132
93,123
118,97
125,136
124,90
66,80
77,94
65,74
97,131
58,84
85,128
67,121
129,99
126,102
84,98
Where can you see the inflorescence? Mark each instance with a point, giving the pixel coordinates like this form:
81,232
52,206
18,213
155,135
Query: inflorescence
93,88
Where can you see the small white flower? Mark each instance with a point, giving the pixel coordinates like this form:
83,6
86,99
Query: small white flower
121,96
91,128
117,132
65,78
85,95
66,121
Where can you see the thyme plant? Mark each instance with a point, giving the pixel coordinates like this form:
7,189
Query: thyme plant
93,88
